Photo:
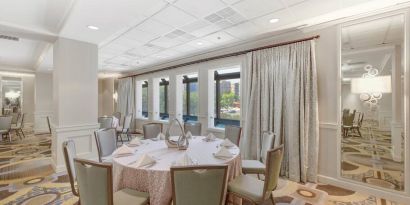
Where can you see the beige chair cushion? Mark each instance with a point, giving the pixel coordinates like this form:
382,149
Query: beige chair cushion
253,167
248,187
129,196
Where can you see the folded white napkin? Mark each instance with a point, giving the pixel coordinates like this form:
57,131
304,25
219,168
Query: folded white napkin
144,160
188,135
227,143
161,136
184,161
123,150
135,142
223,153
210,136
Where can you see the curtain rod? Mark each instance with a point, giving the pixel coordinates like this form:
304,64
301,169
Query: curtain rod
225,55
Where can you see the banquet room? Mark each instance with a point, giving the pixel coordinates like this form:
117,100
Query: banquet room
204,102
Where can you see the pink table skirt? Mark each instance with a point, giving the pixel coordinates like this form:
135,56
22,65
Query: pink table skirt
158,182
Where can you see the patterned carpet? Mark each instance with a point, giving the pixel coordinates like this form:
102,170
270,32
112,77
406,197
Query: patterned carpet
27,178
368,159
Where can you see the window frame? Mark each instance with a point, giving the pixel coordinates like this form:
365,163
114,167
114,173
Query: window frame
165,83
217,79
143,113
187,82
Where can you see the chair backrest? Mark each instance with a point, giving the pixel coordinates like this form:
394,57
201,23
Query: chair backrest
118,116
5,122
21,120
273,166
199,185
16,118
69,155
233,133
94,182
193,127
151,130
105,122
106,140
127,122
48,124
267,144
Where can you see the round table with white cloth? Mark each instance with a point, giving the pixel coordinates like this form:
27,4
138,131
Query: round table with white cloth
156,179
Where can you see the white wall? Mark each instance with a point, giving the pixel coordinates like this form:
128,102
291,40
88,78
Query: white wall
43,105
105,96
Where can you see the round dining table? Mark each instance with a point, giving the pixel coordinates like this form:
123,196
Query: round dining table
155,179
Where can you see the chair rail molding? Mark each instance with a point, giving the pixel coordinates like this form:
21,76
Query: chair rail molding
328,125
82,135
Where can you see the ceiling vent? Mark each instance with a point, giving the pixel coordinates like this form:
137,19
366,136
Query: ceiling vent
11,38
225,17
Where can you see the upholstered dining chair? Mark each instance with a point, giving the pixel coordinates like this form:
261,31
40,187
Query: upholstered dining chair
199,185
5,126
105,122
69,155
94,181
257,191
193,127
106,140
258,166
15,119
233,133
18,127
123,130
151,130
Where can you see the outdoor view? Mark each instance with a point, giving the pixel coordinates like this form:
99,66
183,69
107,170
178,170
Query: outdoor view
193,99
227,97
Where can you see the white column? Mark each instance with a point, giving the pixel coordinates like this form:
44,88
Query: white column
397,98
75,99
43,101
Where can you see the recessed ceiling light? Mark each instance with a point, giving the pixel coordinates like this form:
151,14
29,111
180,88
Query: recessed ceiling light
200,43
92,27
273,20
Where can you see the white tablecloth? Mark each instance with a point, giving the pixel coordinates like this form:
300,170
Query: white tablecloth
156,179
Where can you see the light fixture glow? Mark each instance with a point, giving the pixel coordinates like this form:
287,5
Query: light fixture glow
273,20
92,27
200,43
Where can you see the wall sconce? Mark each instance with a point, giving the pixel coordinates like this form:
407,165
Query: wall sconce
370,86
115,96
12,94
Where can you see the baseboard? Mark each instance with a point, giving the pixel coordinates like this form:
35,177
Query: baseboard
393,196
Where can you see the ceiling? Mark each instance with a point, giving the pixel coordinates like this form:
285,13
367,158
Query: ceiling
371,43
135,34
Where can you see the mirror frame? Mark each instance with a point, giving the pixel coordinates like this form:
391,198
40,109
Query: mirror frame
356,185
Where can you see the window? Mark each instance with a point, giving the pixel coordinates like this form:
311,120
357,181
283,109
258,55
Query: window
227,97
144,99
163,98
190,98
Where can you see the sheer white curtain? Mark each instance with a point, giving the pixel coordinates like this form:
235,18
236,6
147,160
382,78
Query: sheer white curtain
281,96
126,97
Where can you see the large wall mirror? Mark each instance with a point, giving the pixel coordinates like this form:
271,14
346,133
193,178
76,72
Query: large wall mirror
12,95
372,102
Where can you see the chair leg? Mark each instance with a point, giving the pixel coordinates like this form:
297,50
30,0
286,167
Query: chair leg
18,134
9,136
259,177
271,198
358,131
21,130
